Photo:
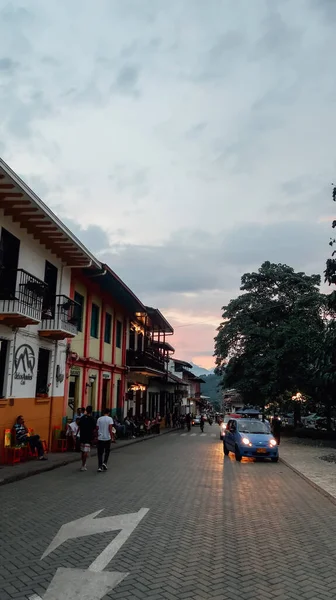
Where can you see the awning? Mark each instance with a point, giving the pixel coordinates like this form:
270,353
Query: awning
20,203
163,346
174,379
182,363
112,284
157,321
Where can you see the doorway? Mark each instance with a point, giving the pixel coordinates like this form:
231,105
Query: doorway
73,395
105,394
50,278
9,260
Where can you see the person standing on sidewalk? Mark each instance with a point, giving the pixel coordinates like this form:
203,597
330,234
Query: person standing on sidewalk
105,435
87,427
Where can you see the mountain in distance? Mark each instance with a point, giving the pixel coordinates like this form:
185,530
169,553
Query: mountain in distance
211,387
198,371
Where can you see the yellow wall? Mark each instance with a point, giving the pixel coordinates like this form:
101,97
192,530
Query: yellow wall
77,344
36,415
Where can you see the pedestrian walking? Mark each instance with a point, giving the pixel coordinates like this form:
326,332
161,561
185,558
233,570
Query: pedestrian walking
105,434
87,428
276,428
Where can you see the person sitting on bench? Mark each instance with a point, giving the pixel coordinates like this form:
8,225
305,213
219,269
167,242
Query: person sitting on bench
22,437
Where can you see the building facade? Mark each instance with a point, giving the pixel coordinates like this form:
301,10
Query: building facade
71,332
37,253
149,391
97,365
192,400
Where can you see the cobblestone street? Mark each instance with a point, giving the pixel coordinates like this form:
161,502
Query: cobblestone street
215,529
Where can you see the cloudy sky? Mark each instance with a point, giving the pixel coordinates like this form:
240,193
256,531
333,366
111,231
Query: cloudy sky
185,142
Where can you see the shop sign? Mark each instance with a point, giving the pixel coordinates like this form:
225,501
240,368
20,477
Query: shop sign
24,363
75,371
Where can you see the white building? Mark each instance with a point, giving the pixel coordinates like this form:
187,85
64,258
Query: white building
37,316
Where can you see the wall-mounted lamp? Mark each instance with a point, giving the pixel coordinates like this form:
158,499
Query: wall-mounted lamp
92,379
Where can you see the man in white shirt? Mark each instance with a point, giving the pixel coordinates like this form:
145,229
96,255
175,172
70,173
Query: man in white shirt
104,425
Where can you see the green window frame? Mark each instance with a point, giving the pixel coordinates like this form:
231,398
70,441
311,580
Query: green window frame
94,329
108,328
118,334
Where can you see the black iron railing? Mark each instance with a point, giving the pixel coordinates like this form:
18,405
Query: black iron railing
60,316
21,293
151,360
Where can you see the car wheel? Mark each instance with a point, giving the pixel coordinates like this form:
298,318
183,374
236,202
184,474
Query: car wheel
237,454
226,452
276,459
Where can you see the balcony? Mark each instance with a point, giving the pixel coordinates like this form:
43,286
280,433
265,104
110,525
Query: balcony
21,298
148,363
59,321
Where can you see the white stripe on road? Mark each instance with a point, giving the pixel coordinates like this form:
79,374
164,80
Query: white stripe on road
192,434
182,434
213,435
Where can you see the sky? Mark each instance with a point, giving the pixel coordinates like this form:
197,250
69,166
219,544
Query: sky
184,142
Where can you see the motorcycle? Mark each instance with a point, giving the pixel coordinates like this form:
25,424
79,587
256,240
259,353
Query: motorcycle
210,421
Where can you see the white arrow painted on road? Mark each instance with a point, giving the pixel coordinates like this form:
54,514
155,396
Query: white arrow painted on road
77,584
89,525
91,584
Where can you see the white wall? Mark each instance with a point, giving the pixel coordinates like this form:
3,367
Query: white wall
32,259
32,255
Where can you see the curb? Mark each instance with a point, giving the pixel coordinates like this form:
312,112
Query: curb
310,482
72,459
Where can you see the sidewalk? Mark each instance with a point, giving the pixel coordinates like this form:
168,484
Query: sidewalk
316,464
9,473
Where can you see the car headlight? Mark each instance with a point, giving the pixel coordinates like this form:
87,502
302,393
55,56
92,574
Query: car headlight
273,443
246,441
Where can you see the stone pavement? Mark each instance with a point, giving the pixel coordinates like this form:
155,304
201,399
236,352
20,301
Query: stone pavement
11,473
309,461
216,529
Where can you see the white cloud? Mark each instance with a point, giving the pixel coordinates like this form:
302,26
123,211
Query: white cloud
160,122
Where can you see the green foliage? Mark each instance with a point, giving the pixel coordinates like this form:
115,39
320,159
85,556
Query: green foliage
267,342
211,388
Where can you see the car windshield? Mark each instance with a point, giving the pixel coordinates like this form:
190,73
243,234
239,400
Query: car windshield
253,427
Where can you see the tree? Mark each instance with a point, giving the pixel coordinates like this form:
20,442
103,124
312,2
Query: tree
325,365
267,341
